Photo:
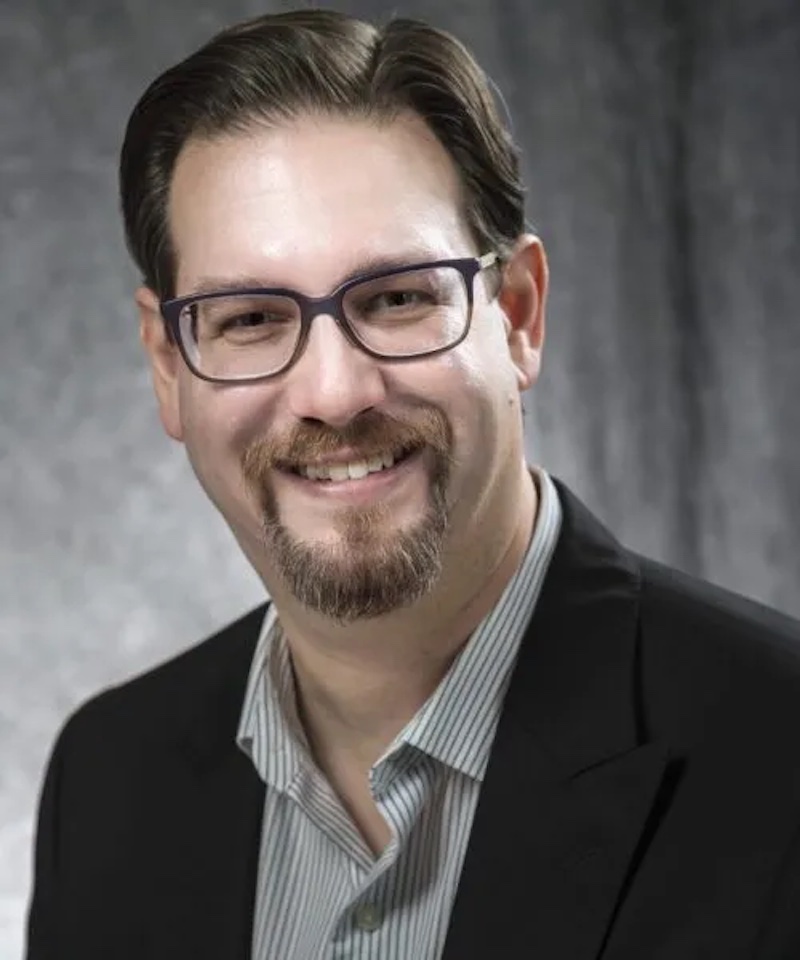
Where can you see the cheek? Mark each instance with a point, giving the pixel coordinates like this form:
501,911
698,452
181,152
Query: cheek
482,368
472,390
218,422
222,412
490,379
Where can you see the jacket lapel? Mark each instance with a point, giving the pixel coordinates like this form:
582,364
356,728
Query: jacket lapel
211,874
568,790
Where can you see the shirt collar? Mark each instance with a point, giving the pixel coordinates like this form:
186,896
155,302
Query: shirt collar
270,731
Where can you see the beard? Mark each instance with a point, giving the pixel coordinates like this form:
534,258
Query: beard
370,568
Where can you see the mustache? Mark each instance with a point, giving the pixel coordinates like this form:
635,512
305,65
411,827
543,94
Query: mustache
368,435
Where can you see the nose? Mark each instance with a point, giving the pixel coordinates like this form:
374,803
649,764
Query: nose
333,381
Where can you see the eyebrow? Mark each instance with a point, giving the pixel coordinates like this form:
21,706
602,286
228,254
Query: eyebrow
370,264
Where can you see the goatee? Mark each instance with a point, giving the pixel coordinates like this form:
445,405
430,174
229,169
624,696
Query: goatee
372,568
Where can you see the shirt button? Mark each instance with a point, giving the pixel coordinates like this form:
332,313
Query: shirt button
368,917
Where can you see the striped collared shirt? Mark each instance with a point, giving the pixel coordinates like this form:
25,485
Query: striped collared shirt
321,894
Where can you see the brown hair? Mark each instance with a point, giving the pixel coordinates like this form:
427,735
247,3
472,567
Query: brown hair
279,66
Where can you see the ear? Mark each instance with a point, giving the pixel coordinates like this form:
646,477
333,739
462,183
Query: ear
522,299
164,360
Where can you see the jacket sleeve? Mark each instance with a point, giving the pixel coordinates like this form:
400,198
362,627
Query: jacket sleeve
41,931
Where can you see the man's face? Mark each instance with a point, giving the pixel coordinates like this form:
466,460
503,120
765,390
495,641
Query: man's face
305,206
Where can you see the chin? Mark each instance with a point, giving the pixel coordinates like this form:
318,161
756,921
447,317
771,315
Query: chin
364,568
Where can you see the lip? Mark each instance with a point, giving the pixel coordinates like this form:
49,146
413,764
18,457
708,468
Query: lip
368,488
345,455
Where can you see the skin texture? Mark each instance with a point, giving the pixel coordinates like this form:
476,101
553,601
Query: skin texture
306,205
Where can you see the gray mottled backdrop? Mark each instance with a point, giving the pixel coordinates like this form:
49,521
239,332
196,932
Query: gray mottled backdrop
662,147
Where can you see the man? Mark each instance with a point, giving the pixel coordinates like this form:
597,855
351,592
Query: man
469,723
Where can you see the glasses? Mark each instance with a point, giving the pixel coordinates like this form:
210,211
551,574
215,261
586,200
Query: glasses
257,333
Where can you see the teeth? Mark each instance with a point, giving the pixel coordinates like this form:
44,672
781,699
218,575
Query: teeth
356,470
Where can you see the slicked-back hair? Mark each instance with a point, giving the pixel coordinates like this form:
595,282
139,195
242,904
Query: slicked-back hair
280,67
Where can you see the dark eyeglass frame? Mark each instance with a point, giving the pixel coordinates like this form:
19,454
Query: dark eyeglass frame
332,305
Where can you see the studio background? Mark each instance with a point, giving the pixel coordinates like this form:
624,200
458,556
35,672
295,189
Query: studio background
662,151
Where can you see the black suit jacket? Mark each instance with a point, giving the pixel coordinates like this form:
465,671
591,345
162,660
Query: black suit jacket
642,801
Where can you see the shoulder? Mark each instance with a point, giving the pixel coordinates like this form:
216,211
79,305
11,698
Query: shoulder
717,659
692,612
164,697
689,630
124,765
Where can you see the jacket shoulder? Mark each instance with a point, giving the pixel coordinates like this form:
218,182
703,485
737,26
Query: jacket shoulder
151,701
698,611
713,660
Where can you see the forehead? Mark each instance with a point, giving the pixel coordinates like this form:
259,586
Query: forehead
306,202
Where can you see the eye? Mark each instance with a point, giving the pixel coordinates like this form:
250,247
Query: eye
256,326
408,296
238,317
252,318
399,298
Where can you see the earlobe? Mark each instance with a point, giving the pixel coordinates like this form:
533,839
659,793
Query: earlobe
164,361
522,300
527,363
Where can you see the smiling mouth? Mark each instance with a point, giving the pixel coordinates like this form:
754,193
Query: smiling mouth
353,469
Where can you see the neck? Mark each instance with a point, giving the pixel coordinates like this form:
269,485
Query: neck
359,684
